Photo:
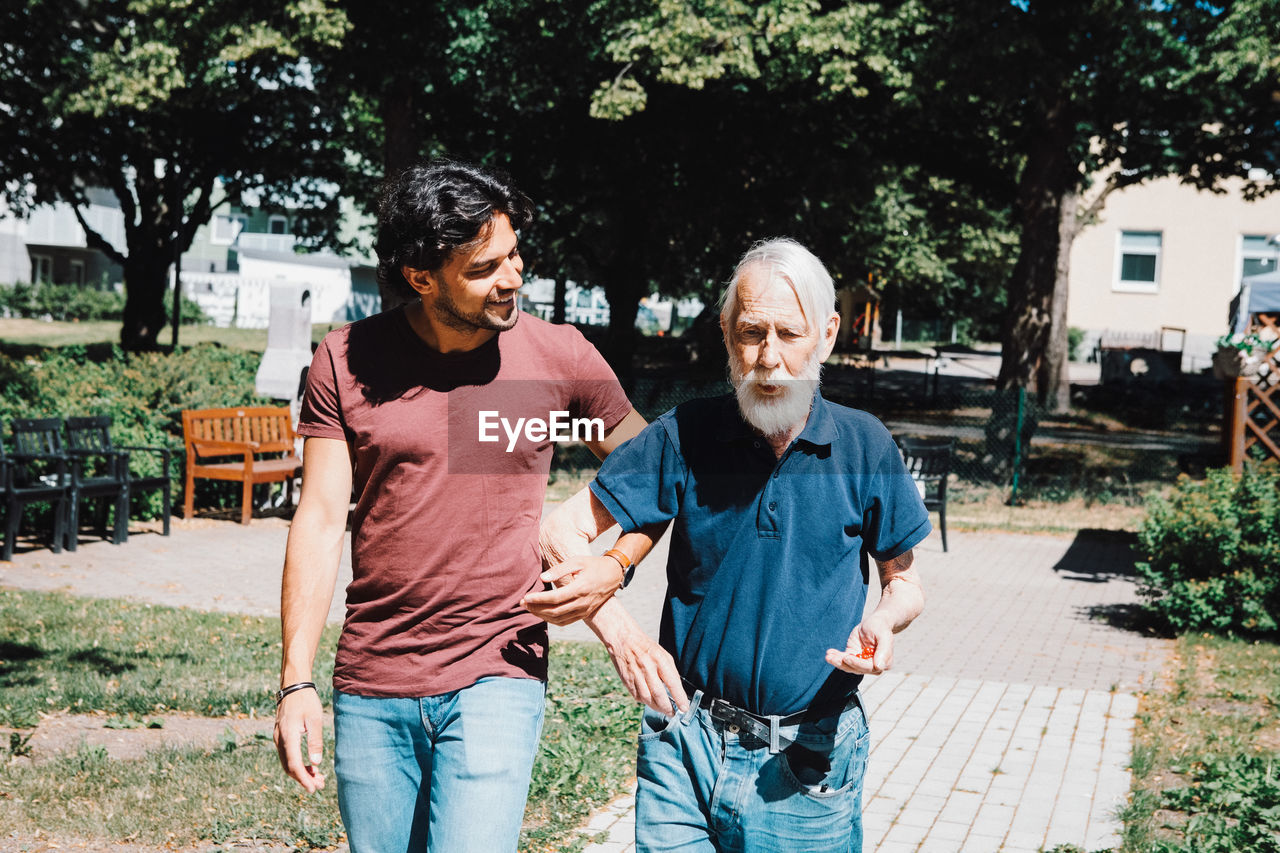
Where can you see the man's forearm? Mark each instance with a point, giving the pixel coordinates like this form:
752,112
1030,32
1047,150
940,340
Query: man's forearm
310,574
901,592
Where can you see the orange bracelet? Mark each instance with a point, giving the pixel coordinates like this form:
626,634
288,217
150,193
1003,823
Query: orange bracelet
623,560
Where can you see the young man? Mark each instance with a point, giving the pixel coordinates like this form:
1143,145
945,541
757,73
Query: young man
440,672
778,498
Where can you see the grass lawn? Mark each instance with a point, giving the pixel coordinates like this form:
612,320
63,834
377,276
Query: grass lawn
1206,758
130,660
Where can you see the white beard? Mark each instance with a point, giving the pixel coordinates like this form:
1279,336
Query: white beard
775,414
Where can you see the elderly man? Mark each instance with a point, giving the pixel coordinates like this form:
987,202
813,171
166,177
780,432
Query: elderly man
778,497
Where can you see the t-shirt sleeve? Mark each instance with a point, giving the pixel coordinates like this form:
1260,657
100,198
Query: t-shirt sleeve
321,414
896,518
596,390
641,481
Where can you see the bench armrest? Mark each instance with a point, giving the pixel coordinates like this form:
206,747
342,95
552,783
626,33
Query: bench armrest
62,466
165,453
116,458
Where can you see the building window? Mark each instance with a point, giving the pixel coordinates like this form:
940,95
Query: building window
77,272
278,224
1138,261
41,269
226,227
1258,254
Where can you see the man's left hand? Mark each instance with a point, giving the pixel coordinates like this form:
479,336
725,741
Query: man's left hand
869,650
582,584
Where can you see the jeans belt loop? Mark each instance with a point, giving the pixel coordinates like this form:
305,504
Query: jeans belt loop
685,717
773,736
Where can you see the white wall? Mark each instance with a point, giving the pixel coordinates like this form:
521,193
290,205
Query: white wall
1199,264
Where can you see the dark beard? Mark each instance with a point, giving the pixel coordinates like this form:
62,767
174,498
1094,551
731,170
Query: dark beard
447,312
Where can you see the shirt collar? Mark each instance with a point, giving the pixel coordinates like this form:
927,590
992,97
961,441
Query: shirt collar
818,431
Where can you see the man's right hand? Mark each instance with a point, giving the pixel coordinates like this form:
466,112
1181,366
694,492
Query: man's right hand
647,670
301,714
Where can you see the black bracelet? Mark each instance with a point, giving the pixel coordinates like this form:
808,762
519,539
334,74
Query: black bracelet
293,688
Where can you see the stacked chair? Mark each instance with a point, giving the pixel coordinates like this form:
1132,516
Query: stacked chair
86,467
29,478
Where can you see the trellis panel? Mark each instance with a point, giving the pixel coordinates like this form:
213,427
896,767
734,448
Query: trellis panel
1253,410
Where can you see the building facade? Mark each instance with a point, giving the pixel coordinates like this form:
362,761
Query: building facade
1163,263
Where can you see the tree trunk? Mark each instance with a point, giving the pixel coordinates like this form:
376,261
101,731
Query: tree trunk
1035,333
623,290
400,149
561,293
146,278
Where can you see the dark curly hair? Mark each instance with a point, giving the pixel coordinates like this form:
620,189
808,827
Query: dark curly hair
430,210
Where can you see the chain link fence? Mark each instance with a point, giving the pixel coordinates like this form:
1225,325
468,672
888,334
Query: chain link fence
1117,444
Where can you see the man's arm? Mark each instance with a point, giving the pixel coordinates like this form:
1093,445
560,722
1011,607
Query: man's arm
311,562
627,428
901,601
647,670
583,582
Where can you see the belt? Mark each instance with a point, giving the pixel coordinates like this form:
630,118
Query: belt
764,727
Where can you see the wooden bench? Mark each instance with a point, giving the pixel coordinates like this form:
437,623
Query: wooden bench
262,438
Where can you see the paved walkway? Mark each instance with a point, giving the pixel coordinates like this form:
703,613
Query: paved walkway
1006,724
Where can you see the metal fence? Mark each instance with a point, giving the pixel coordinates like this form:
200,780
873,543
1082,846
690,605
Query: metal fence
1116,444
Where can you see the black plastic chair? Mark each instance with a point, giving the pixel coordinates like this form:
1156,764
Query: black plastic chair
98,475
92,436
29,478
929,462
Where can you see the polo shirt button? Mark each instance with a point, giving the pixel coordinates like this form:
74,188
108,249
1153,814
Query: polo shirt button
775,475
773,504
755,444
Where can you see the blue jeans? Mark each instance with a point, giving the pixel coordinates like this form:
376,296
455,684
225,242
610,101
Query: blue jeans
703,787
445,774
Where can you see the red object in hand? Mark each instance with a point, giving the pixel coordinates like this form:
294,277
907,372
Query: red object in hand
867,653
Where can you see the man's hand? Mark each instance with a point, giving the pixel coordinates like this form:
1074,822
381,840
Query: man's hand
298,714
869,650
647,670
582,584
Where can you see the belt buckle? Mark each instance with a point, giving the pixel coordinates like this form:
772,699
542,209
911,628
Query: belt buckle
723,712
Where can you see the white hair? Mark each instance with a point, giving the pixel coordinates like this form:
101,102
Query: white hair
786,259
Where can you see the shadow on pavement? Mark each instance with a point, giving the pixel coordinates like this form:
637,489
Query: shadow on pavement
1101,556
1098,556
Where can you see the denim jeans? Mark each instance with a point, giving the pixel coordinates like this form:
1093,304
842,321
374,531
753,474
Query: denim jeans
703,787
444,774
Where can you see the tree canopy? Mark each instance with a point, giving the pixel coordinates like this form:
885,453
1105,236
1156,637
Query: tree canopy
167,104
1043,106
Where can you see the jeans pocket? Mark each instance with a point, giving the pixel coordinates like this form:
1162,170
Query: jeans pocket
653,724
830,769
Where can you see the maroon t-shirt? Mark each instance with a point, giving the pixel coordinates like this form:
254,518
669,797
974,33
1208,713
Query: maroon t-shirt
450,477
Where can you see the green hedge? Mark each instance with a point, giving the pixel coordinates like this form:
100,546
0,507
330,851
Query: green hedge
1212,552
76,302
143,393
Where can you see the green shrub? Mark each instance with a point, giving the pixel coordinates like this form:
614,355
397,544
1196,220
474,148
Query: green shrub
1075,337
76,302
143,393
1212,552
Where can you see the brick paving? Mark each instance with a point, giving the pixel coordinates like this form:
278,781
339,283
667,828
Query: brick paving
1006,724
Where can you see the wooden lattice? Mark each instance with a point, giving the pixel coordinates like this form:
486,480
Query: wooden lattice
1254,413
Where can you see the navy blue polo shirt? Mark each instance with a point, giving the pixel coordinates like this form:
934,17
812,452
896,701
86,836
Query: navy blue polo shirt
768,565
